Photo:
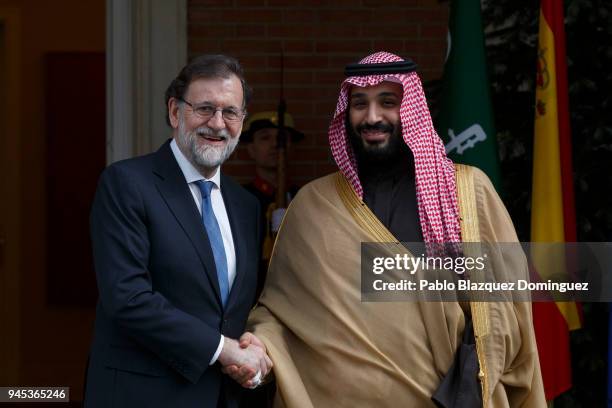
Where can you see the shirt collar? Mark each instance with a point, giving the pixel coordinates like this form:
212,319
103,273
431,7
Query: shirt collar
189,171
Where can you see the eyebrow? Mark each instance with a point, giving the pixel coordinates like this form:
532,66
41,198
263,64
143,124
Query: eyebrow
382,94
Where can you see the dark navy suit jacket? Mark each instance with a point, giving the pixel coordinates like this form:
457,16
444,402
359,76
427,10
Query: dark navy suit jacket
159,315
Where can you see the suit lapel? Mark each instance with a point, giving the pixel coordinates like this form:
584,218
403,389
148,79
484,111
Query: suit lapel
237,219
175,192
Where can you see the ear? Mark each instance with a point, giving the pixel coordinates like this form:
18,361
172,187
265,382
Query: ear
240,130
173,112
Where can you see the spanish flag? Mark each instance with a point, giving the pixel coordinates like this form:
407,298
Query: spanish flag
553,214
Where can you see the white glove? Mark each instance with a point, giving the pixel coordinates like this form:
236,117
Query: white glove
277,218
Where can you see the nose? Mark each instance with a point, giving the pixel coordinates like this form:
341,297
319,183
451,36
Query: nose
216,121
374,114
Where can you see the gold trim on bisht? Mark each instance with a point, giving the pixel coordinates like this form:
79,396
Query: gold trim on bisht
361,212
470,232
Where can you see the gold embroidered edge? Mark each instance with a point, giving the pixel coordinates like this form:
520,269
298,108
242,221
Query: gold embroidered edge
470,232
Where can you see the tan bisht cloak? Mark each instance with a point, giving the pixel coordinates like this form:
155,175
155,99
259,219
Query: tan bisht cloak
331,350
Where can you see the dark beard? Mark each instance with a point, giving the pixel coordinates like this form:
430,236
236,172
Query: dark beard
373,155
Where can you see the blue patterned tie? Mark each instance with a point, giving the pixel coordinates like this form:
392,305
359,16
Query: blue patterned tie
214,235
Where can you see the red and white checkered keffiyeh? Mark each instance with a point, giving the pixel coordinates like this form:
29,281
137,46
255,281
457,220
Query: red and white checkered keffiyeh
435,173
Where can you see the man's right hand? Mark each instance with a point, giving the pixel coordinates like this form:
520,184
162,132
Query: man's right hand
243,363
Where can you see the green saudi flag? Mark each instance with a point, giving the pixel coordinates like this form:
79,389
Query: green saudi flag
465,121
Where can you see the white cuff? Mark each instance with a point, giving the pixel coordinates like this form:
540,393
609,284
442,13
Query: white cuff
218,352
256,380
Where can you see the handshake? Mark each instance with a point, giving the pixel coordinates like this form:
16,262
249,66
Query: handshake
246,360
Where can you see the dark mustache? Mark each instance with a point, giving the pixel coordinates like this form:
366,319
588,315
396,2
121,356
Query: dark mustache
381,127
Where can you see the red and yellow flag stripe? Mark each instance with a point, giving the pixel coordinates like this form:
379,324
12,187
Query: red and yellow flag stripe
553,211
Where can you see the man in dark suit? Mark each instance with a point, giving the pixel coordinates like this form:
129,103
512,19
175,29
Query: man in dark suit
176,249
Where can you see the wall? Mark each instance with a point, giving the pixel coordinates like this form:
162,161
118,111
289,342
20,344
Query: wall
318,38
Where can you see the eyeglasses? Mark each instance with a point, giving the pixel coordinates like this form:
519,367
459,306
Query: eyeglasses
207,111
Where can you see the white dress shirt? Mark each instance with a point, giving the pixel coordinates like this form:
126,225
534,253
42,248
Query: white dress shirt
192,175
